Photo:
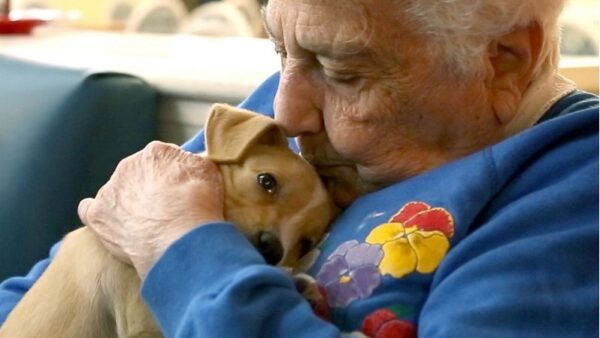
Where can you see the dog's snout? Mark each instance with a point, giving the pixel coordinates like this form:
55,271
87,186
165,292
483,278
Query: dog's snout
269,247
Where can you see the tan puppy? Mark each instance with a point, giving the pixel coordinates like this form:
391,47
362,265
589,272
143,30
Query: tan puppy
272,194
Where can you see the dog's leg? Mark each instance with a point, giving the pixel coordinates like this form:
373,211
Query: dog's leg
66,300
84,293
121,284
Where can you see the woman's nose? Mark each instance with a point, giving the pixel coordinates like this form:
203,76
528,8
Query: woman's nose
298,103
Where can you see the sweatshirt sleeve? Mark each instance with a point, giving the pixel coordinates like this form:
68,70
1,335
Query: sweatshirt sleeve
213,283
14,288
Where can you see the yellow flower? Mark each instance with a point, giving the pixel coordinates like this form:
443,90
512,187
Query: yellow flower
409,247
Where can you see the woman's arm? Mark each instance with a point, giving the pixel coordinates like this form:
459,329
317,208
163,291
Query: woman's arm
236,295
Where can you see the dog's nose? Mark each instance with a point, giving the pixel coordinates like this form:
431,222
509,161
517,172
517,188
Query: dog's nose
269,247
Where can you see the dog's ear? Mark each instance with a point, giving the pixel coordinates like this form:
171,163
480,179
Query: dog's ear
231,131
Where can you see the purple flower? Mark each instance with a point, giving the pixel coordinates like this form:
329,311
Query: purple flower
350,272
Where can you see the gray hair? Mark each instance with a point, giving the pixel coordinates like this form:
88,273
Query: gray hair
462,29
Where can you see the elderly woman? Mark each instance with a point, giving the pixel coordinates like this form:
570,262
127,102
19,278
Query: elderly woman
468,169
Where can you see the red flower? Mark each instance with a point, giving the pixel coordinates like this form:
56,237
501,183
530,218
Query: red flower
423,216
383,323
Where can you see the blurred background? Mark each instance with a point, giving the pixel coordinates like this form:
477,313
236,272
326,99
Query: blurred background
202,17
85,83
195,52
202,51
234,18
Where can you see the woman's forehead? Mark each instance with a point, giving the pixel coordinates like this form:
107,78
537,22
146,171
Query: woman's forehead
341,27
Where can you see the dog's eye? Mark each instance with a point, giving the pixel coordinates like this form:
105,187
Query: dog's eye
305,245
267,182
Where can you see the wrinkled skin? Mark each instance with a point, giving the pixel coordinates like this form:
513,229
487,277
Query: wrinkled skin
368,104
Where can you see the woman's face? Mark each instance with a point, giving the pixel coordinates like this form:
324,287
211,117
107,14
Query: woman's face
367,97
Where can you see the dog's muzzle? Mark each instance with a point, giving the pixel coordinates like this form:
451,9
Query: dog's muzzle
269,246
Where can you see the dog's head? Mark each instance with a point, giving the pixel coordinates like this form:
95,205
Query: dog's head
272,194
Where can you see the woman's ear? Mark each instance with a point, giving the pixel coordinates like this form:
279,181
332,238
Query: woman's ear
511,61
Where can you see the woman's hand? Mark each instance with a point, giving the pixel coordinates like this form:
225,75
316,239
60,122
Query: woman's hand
153,198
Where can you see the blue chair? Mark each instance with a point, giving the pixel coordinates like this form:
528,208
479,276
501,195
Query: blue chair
62,132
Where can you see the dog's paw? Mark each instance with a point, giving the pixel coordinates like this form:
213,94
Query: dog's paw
314,294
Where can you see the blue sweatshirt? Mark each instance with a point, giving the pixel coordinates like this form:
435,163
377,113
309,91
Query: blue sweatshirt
502,243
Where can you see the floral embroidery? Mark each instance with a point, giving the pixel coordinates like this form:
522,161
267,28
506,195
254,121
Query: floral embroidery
350,273
384,323
416,238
